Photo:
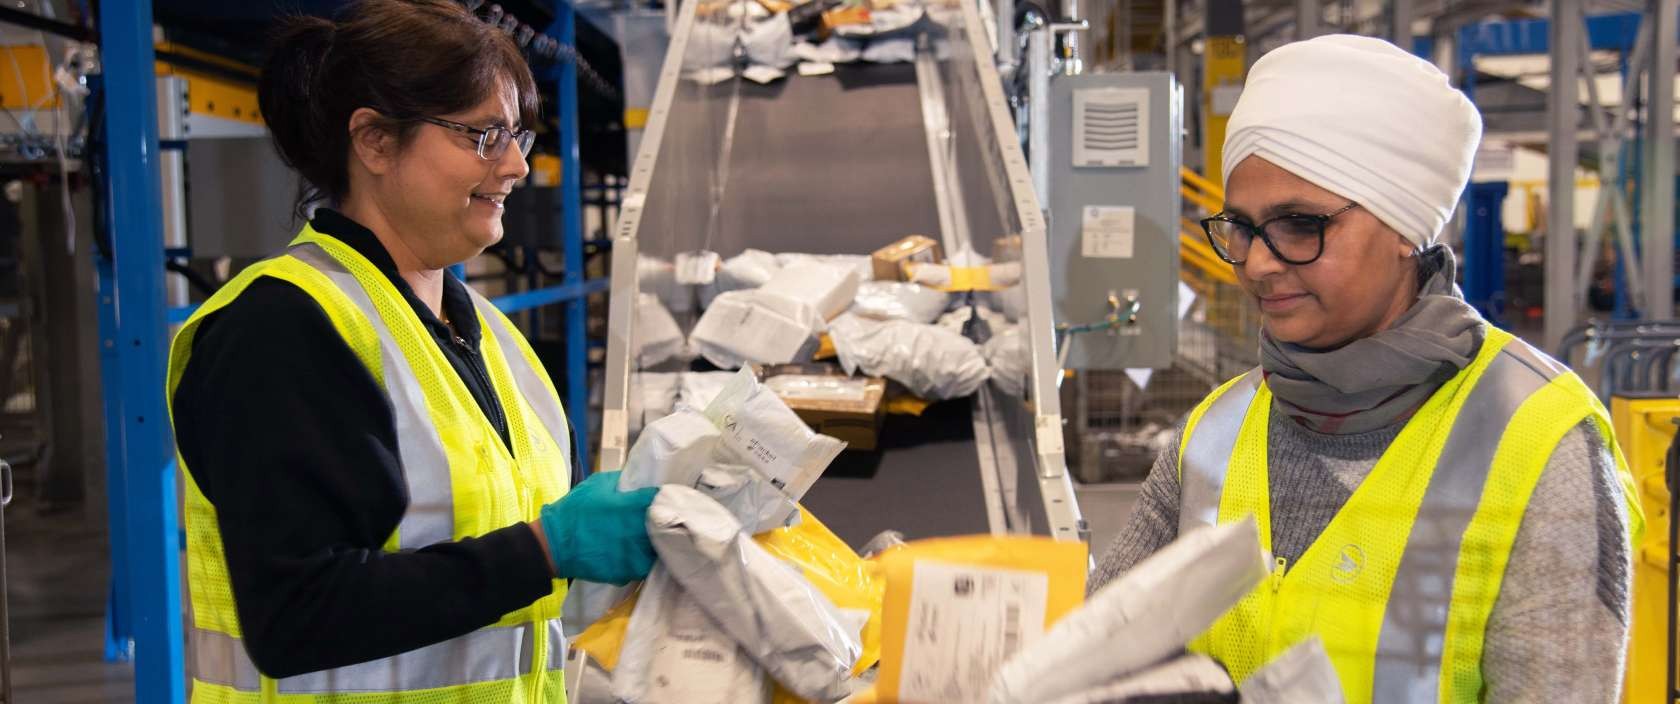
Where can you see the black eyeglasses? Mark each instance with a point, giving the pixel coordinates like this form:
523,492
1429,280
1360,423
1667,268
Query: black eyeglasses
1296,238
493,141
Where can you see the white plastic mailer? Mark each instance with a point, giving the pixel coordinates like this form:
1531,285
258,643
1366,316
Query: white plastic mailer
765,434
1009,355
755,326
1140,619
826,287
675,654
859,263
699,389
934,363
765,605
898,300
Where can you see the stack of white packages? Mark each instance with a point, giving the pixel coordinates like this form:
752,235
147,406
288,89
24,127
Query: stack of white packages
777,322
735,469
1140,620
931,361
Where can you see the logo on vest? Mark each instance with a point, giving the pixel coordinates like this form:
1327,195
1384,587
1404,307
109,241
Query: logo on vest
1350,564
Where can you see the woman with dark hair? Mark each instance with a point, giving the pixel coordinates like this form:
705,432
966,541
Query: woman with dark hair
376,463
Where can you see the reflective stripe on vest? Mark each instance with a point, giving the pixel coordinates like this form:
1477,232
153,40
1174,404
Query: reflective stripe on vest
485,655
1424,610
430,517
1414,628
533,386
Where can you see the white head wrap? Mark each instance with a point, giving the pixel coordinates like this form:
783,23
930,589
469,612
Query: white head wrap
1362,119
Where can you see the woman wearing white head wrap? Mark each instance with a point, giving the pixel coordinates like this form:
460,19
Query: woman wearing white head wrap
1442,501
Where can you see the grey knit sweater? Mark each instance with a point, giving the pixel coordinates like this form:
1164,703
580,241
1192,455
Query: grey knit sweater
1558,630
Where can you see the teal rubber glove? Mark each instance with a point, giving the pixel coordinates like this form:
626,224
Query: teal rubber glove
599,534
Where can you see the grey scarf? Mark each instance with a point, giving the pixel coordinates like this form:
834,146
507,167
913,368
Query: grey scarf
1374,382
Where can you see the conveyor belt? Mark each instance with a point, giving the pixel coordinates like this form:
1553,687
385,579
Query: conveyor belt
842,164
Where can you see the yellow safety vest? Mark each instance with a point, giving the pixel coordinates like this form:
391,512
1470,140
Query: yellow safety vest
462,482
1400,584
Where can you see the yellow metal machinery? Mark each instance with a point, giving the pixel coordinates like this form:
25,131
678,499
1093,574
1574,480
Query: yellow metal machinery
1645,428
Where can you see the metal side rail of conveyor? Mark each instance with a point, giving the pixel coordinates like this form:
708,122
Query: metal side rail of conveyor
842,164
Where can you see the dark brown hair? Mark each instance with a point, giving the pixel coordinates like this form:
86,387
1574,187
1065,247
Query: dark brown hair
405,59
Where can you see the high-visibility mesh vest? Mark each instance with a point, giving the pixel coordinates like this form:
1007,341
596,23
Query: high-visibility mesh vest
462,482
1400,584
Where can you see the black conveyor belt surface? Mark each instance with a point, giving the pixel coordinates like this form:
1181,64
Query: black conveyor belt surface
829,164
838,165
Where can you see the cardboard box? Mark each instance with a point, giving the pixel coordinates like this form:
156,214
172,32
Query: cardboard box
889,261
843,407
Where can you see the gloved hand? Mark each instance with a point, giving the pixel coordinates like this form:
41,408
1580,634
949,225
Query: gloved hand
598,533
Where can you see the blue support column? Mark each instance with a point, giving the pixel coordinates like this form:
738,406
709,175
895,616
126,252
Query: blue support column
119,632
1484,248
571,234
135,218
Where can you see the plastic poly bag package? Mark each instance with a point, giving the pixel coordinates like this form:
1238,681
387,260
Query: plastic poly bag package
770,43
958,608
851,583
859,263
751,268
826,287
1009,355
675,654
1303,673
698,389
655,337
757,504
653,395
710,45
755,326
837,50
769,436
897,300
831,566
671,450
933,362
784,623
1188,679
1141,618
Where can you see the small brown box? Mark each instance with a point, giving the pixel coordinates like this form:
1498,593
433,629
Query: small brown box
846,408
889,261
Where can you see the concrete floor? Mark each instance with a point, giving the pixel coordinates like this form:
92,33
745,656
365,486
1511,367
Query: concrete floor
57,570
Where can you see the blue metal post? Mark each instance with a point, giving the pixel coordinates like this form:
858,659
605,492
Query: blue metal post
1484,248
119,631
135,219
571,233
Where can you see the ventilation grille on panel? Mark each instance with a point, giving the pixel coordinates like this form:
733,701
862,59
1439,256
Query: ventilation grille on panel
1111,127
